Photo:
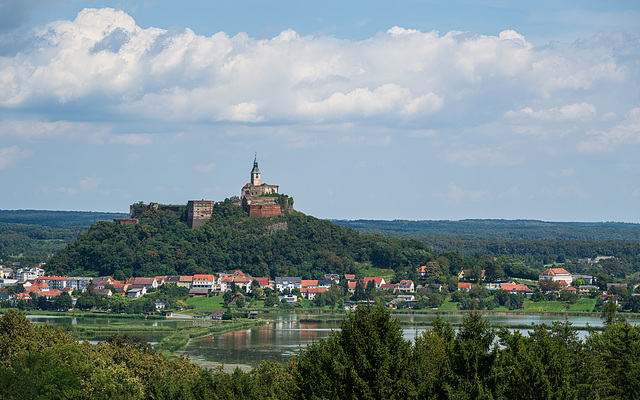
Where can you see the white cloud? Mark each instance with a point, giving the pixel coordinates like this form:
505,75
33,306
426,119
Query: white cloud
455,194
205,168
484,157
513,191
361,164
131,139
12,155
36,129
105,61
570,112
567,191
363,102
628,132
88,183
243,112
563,173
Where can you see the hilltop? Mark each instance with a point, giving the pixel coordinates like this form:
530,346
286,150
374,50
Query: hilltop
293,244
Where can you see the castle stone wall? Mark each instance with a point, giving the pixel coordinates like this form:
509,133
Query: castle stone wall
259,211
199,212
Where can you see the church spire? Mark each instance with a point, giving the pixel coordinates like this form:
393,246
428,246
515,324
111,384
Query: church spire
255,172
255,169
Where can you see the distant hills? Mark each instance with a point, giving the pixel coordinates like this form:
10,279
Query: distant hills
57,219
482,228
500,229
296,244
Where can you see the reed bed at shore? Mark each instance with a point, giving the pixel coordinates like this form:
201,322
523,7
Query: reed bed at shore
181,337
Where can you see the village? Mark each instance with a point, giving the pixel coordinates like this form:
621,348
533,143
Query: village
24,286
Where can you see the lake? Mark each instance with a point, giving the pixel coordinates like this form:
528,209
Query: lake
286,334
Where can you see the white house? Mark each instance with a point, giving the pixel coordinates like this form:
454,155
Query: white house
556,275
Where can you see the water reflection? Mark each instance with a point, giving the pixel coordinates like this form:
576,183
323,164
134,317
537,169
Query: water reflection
286,334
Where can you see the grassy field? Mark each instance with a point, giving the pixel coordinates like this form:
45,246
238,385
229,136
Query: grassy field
204,304
583,305
385,273
541,306
449,306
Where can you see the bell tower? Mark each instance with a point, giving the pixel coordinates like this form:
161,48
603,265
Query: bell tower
255,172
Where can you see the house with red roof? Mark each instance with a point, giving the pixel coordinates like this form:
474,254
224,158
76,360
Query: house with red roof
310,293
464,286
377,281
15,299
266,283
516,288
141,281
243,282
54,282
556,274
203,281
224,282
406,285
389,286
185,281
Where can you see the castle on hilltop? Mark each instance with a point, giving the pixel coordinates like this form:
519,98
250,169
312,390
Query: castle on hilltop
257,199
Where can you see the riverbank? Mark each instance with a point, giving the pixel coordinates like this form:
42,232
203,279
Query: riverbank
454,324
181,337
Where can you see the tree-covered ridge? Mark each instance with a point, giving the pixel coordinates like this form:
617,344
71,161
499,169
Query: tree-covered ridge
57,219
501,229
290,245
32,244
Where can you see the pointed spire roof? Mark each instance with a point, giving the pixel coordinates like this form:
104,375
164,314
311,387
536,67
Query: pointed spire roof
255,169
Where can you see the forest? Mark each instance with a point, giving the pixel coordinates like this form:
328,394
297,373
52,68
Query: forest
32,244
368,358
57,219
291,245
299,245
501,229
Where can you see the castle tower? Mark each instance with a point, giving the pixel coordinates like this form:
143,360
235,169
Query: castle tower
199,212
255,172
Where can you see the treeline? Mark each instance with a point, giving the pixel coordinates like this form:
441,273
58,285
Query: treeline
501,229
57,219
299,245
291,245
368,358
540,252
31,244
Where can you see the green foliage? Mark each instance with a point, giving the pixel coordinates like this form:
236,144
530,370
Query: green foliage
367,359
31,244
501,229
162,244
56,219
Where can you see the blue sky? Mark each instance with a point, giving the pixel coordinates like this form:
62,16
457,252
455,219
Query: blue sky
358,109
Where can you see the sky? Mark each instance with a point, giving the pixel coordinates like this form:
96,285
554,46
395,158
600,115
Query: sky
419,110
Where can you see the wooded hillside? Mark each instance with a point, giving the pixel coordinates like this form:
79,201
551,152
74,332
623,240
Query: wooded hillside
290,245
